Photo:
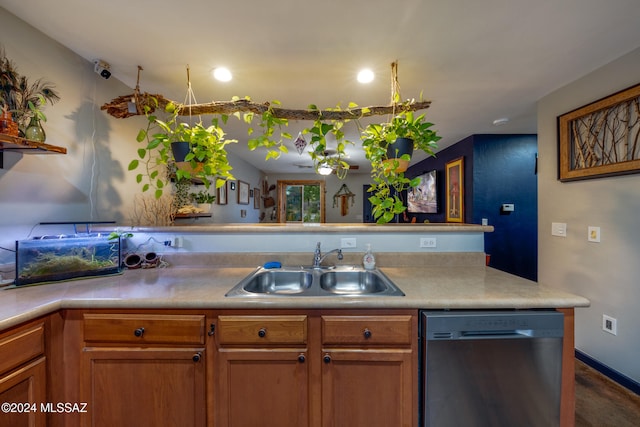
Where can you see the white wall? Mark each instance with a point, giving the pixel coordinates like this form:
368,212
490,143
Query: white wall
607,273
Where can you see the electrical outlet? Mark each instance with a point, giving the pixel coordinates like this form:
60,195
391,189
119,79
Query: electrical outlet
559,229
347,242
427,242
609,324
593,234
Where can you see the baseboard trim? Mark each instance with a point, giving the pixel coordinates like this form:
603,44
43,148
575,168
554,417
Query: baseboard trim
614,375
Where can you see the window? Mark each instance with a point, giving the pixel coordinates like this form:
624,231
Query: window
301,201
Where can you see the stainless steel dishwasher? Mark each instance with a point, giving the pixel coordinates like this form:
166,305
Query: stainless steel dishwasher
491,368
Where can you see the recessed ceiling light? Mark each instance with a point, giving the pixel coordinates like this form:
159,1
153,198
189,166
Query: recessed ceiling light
365,76
500,122
222,74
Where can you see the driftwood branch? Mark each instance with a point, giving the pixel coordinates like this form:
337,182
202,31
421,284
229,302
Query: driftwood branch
132,105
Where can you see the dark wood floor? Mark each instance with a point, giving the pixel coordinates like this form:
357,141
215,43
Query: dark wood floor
601,402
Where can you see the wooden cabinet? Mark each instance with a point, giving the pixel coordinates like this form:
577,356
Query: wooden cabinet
144,369
23,376
369,371
262,371
317,369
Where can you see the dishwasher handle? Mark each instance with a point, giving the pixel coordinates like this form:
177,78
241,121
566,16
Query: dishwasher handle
514,333
494,334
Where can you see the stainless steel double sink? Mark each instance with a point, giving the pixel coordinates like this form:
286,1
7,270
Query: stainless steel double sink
305,281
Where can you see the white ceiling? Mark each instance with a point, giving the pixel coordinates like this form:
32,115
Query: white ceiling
475,60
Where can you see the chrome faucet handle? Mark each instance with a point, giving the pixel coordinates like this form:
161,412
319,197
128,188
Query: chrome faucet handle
317,256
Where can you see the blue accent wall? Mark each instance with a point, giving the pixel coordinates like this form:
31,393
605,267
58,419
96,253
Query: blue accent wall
498,169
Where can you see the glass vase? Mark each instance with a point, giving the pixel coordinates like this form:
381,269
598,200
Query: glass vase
34,131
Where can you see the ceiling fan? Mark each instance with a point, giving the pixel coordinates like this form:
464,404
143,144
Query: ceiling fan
329,168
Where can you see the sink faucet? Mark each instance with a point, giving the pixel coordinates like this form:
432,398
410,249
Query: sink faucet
318,257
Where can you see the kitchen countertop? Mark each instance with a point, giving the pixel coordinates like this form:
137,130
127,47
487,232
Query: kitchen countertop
473,287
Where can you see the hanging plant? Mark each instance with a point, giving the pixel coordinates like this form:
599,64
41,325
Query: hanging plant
387,165
321,154
268,124
207,158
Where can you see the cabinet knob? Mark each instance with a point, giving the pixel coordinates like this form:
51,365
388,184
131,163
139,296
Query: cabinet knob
301,358
262,332
367,333
212,329
326,358
196,357
139,332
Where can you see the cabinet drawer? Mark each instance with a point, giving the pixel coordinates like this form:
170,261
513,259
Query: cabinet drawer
359,330
262,330
20,347
144,328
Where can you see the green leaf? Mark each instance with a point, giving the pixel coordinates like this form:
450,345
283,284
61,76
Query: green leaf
142,134
142,152
158,193
139,178
386,217
133,165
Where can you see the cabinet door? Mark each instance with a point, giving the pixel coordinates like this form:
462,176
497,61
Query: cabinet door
368,388
144,387
26,385
262,387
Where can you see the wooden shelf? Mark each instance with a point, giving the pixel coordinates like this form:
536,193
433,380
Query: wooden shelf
14,143
194,215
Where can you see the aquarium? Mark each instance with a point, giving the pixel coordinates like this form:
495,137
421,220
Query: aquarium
53,258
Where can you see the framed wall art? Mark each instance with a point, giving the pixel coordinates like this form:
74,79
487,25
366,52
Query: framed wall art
454,173
243,193
424,197
256,198
221,193
601,138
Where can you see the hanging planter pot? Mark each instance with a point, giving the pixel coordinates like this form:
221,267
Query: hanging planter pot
180,149
396,150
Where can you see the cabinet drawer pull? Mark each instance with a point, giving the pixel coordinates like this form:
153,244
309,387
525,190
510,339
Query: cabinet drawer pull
367,333
139,332
301,358
196,357
212,329
262,332
326,358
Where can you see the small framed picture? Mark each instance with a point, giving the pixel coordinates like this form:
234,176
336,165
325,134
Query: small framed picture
455,190
243,193
256,198
221,193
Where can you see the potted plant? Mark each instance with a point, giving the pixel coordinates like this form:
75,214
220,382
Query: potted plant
21,98
388,162
204,200
206,159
